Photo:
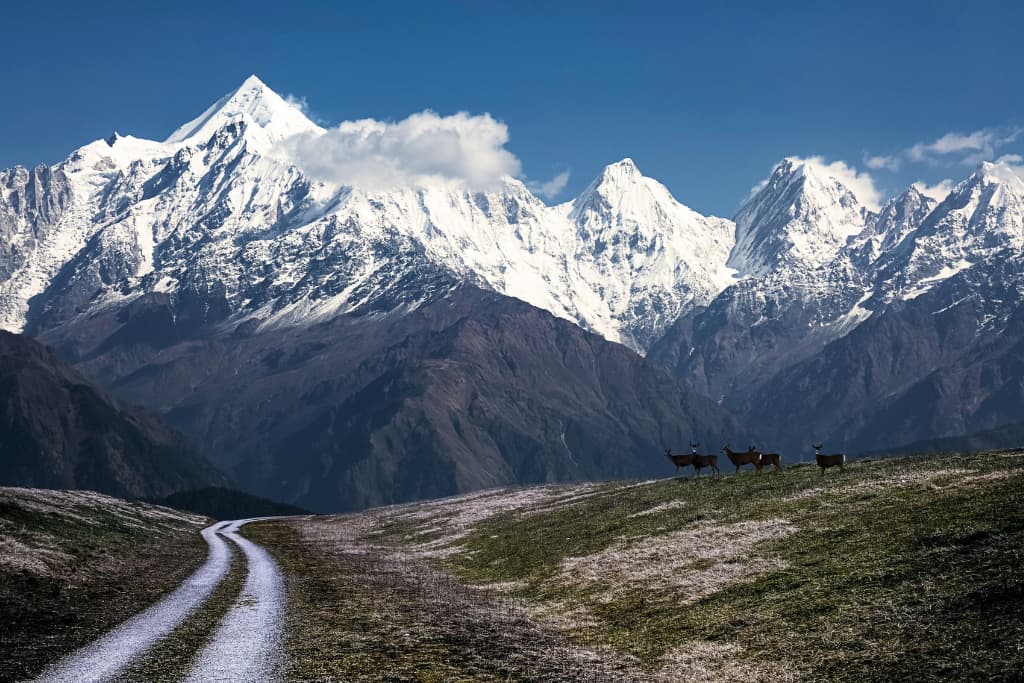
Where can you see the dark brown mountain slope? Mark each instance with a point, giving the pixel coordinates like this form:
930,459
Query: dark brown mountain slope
470,390
947,363
58,431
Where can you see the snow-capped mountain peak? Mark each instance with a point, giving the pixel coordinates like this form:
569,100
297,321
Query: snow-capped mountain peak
802,216
1001,173
255,104
623,170
899,218
981,217
650,257
621,189
219,214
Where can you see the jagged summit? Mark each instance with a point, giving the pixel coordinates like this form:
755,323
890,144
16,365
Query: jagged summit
614,177
802,216
254,103
624,168
624,189
899,218
1002,173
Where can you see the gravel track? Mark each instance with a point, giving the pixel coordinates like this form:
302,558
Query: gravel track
112,653
247,644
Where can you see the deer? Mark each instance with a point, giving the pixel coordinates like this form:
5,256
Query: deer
701,461
826,461
773,459
751,457
679,460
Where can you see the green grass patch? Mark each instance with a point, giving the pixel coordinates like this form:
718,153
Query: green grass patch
899,568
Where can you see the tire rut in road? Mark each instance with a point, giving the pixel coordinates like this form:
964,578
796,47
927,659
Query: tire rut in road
247,644
174,656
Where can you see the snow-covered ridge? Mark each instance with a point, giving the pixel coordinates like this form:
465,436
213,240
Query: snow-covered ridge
219,213
254,103
802,216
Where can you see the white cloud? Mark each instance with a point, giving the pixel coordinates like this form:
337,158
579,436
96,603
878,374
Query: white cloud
755,189
859,182
302,105
550,188
1015,162
423,149
965,148
298,102
938,191
890,163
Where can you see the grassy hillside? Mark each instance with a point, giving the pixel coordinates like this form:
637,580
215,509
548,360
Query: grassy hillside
75,563
896,569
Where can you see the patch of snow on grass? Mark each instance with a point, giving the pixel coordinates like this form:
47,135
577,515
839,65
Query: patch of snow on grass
664,507
714,662
698,561
455,518
16,556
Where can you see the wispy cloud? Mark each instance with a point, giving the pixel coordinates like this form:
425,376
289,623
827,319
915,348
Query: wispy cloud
954,148
760,185
889,163
302,105
1015,162
550,188
423,149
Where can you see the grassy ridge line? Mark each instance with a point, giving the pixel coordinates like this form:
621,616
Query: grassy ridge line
899,568
67,576
172,657
904,569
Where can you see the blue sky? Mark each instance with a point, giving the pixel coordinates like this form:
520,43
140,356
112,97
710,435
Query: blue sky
706,97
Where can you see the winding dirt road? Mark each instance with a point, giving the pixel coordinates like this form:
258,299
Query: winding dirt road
245,646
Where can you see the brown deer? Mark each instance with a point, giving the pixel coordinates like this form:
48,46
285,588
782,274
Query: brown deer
773,459
751,457
826,461
679,460
700,461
